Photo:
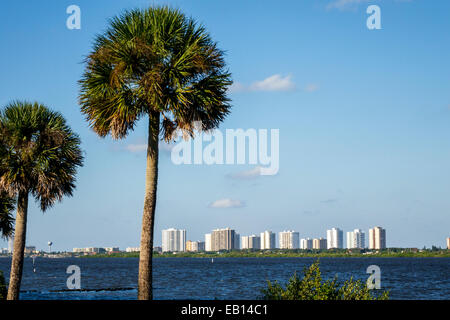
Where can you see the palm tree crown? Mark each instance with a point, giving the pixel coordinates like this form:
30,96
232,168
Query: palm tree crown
154,60
39,154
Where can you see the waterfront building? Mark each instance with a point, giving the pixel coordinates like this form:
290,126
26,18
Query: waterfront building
319,244
267,240
208,242
237,241
377,238
244,242
448,243
306,244
288,239
335,238
30,249
173,240
195,246
133,249
190,246
95,250
157,249
112,249
356,239
251,242
223,239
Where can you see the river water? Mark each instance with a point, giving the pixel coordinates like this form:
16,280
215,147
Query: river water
225,278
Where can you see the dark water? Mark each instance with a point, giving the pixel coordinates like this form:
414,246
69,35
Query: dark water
226,278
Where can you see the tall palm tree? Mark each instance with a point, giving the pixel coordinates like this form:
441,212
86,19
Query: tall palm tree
39,155
160,63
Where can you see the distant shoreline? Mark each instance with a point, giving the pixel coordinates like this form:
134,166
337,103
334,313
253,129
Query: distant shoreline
296,253
284,254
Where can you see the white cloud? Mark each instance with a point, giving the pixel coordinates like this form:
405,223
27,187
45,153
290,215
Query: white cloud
275,82
247,174
227,203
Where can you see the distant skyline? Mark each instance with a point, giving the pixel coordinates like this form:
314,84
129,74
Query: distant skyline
184,238
363,118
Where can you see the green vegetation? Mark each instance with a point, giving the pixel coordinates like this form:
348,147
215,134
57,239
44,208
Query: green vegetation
112,255
3,290
311,287
277,253
39,155
159,64
6,219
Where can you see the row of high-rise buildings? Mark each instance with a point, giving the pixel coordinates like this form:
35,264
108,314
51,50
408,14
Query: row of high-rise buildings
96,250
174,240
356,239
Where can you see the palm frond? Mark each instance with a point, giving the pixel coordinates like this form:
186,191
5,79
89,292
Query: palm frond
6,218
39,153
154,60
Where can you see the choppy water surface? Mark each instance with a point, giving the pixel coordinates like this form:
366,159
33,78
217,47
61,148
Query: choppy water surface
226,278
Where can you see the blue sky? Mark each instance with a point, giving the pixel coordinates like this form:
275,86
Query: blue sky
364,120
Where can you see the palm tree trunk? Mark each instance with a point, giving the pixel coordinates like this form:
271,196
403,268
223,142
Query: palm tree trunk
145,290
20,233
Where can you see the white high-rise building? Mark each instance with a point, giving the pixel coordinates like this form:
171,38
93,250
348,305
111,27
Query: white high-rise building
208,242
268,240
335,238
244,242
251,242
173,240
356,239
306,244
288,240
377,238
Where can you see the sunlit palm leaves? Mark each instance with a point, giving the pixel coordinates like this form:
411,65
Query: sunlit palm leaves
154,60
39,153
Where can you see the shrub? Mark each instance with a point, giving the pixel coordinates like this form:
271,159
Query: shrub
311,287
3,290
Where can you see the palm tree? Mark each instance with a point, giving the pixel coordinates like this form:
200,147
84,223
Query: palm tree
39,155
159,63
6,218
